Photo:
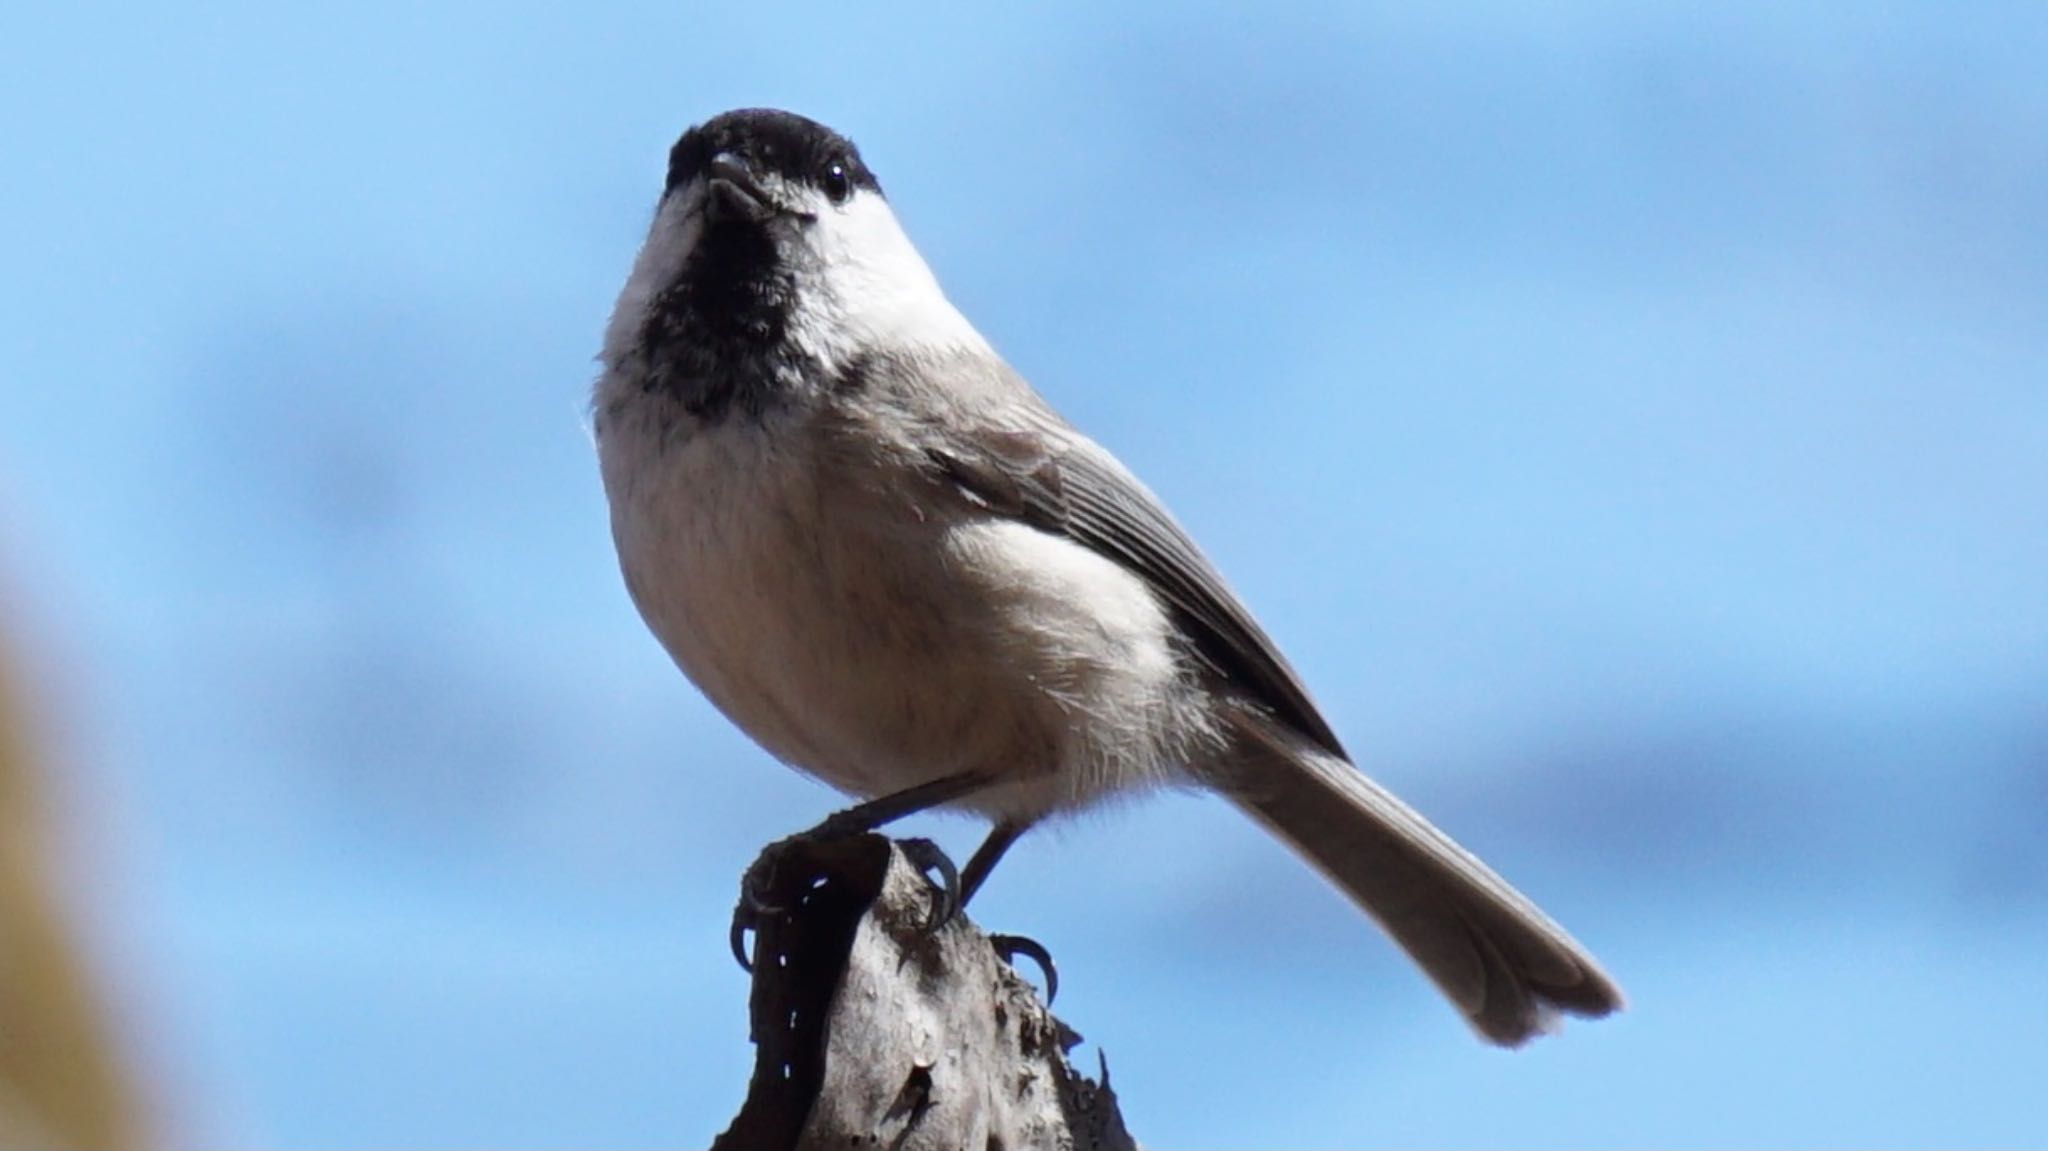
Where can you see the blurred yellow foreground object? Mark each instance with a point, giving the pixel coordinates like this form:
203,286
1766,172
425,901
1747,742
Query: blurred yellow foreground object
60,1084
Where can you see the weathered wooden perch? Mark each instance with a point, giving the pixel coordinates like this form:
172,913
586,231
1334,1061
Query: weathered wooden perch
870,1032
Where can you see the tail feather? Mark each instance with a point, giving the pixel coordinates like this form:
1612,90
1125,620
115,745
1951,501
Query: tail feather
1507,966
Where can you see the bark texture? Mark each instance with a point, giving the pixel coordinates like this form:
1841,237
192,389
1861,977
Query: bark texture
872,1032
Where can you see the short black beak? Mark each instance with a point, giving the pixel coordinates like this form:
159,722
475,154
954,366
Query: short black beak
733,193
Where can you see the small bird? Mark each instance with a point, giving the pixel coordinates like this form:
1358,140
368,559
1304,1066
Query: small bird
879,552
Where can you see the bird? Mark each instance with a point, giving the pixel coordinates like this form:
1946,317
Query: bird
882,555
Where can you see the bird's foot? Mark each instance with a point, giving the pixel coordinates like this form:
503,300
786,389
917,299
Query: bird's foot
773,885
1009,947
937,868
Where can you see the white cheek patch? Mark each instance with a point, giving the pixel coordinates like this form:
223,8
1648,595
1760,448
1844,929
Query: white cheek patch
677,224
868,287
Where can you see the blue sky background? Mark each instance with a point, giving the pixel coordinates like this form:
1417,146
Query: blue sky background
1633,420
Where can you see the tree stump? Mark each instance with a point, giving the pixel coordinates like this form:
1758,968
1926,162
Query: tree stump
871,1031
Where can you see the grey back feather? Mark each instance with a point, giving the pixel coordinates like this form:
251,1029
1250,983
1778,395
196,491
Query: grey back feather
1024,461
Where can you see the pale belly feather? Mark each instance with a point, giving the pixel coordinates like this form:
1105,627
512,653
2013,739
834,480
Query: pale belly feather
875,647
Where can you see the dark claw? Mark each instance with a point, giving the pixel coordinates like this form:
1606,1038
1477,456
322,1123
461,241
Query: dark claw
740,925
1011,946
925,855
753,905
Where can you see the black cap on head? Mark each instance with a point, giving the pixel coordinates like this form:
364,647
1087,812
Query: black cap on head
799,150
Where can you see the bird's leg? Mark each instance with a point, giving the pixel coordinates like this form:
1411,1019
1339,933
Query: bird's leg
859,820
1000,837
883,810
976,873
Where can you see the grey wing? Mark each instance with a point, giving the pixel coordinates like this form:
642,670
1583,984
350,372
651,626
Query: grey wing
1059,481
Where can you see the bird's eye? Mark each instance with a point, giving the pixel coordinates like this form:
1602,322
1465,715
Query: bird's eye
838,185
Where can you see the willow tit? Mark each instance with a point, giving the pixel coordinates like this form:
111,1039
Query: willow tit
879,552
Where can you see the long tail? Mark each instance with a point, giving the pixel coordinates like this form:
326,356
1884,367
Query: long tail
1501,961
